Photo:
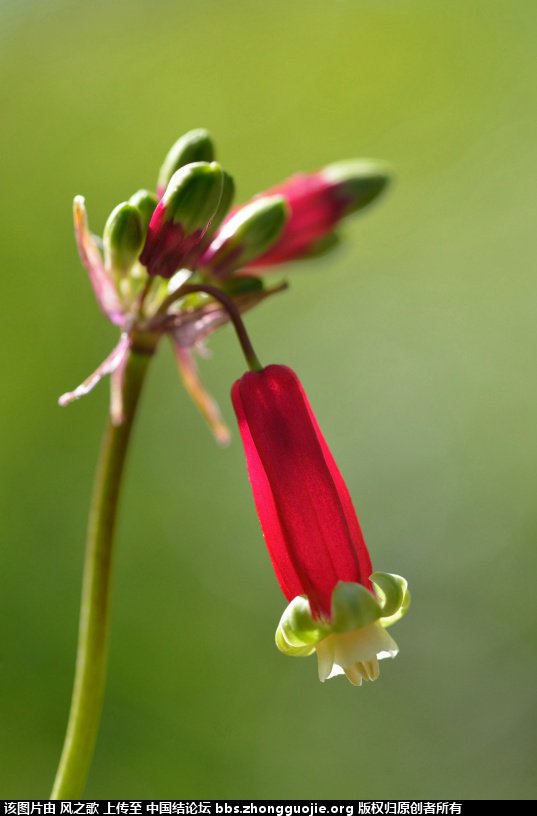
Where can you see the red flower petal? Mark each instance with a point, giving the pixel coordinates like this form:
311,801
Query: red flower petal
310,525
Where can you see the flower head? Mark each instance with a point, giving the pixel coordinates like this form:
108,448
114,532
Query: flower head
337,606
157,247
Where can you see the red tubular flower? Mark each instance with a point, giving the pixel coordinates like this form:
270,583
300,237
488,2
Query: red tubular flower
312,532
306,513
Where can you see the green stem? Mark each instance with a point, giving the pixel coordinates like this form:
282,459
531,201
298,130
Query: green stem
90,673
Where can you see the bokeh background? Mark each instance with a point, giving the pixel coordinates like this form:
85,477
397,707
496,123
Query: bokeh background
416,344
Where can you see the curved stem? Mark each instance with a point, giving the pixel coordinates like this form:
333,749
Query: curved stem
90,673
231,308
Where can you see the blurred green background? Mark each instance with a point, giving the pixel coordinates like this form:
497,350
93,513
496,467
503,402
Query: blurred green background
416,344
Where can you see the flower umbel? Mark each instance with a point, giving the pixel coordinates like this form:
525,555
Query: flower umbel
338,607
155,244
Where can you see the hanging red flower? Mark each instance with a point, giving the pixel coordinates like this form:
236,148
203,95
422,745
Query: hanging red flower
337,606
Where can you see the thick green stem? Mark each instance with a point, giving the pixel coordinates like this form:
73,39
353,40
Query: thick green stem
90,673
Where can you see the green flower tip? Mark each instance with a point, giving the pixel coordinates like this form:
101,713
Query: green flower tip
354,640
194,146
145,202
358,182
193,195
123,238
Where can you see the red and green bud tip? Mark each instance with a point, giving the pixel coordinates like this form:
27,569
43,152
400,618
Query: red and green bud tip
318,202
312,532
182,218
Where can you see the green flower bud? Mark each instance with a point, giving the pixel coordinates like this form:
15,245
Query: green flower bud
146,202
249,232
226,200
194,146
193,196
123,238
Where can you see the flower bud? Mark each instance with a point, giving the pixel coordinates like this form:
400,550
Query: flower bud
226,200
123,238
194,146
182,218
248,233
318,202
145,202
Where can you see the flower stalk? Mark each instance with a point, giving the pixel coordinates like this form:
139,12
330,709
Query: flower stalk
91,660
180,263
232,311
92,651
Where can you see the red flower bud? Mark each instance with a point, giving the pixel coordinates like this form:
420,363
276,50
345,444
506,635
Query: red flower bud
315,211
308,519
182,218
317,203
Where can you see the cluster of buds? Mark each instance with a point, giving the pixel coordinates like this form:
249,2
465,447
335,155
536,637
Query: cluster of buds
182,262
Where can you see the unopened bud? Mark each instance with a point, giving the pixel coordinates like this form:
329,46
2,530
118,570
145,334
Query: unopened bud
226,199
123,238
194,146
182,218
145,202
248,233
193,196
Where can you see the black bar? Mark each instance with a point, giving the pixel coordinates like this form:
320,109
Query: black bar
236,807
